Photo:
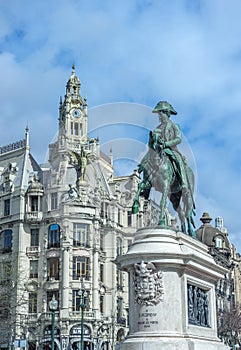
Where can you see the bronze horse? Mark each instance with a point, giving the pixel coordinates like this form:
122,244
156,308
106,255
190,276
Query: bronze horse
162,170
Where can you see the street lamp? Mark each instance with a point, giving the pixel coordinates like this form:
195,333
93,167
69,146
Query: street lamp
235,344
53,304
82,293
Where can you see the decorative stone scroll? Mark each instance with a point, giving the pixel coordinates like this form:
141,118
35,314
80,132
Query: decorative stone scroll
198,306
148,285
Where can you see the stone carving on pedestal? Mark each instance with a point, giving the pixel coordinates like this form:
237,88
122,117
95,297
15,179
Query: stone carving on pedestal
148,284
198,306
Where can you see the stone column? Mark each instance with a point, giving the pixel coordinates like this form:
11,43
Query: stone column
95,281
95,270
65,280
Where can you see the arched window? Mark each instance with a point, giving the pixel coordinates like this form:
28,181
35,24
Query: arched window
54,236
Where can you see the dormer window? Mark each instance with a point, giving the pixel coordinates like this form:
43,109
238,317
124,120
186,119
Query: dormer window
34,203
34,196
219,242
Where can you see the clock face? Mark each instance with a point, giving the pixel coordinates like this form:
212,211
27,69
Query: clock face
76,113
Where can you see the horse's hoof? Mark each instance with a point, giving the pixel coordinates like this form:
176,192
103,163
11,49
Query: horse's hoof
162,223
192,233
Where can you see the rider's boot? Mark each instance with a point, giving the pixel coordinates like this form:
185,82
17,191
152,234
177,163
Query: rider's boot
191,231
183,228
162,221
135,206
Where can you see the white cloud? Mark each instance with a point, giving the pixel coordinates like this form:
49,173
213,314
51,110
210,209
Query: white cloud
184,51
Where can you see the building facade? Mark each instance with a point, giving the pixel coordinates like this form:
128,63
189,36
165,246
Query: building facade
62,224
228,288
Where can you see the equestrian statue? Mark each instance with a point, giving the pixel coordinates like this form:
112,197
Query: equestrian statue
165,169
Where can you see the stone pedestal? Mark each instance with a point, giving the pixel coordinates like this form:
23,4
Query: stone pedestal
171,292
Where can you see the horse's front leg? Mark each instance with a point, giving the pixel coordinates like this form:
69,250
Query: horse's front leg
189,212
136,203
191,231
163,203
181,216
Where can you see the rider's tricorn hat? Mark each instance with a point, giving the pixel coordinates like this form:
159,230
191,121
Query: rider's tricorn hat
164,106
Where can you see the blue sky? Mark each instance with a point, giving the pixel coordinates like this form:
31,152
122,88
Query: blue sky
185,51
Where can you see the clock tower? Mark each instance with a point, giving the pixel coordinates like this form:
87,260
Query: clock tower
73,115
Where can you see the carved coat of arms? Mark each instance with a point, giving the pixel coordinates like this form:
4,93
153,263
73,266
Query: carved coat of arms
148,284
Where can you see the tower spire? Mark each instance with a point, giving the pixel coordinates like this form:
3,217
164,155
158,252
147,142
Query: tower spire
27,137
73,112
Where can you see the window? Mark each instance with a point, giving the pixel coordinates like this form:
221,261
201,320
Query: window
7,207
34,203
32,303
54,200
76,129
54,236
119,308
53,268
34,237
80,235
219,242
104,211
6,240
71,128
101,304
80,267
119,246
102,272
119,280
119,216
101,241
5,272
76,300
33,269
50,296
129,218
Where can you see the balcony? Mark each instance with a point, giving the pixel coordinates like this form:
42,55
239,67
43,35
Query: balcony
47,316
88,315
6,250
34,216
32,317
33,251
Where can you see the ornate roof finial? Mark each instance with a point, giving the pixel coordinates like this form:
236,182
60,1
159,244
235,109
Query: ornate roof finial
206,219
111,156
27,137
73,68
